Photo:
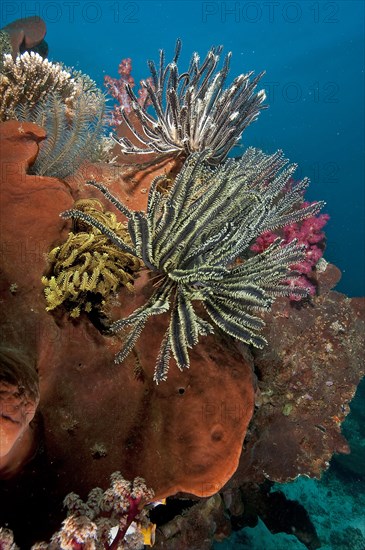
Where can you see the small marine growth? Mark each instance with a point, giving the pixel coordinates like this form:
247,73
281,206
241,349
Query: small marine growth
88,268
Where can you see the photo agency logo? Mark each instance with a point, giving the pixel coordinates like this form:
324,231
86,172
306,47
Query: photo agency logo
223,412
295,92
72,11
323,172
270,12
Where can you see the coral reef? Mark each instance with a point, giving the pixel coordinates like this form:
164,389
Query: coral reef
201,444
310,352
88,268
240,417
185,240
193,110
183,435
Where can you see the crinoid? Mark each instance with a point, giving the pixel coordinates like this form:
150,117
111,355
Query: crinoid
193,110
191,237
87,268
71,140
67,103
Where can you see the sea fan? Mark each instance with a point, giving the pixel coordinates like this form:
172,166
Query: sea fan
193,111
191,237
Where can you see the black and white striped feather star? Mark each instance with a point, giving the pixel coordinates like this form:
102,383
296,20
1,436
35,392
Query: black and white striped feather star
193,111
191,237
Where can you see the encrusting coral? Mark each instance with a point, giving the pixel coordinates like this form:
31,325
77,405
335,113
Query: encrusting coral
193,111
191,237
88,268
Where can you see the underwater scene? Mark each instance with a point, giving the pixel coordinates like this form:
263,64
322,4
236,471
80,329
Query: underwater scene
182,275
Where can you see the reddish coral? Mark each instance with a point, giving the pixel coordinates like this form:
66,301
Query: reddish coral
117,88
25,33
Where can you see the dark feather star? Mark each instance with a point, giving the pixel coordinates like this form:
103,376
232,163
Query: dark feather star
191,237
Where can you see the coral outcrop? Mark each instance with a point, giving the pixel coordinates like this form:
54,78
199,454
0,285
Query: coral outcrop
181,436
24,35
195,255
307,375
186,434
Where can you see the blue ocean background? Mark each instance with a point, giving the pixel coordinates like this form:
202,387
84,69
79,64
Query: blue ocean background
313,55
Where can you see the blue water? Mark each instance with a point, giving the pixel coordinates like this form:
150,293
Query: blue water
313,56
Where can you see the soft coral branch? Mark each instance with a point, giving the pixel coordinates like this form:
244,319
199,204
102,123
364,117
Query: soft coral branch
309,233
116,87
88,524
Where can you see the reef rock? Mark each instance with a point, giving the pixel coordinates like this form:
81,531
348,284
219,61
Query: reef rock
307,375
26,34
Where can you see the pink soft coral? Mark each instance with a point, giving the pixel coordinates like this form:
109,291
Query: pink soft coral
308,233
117,87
